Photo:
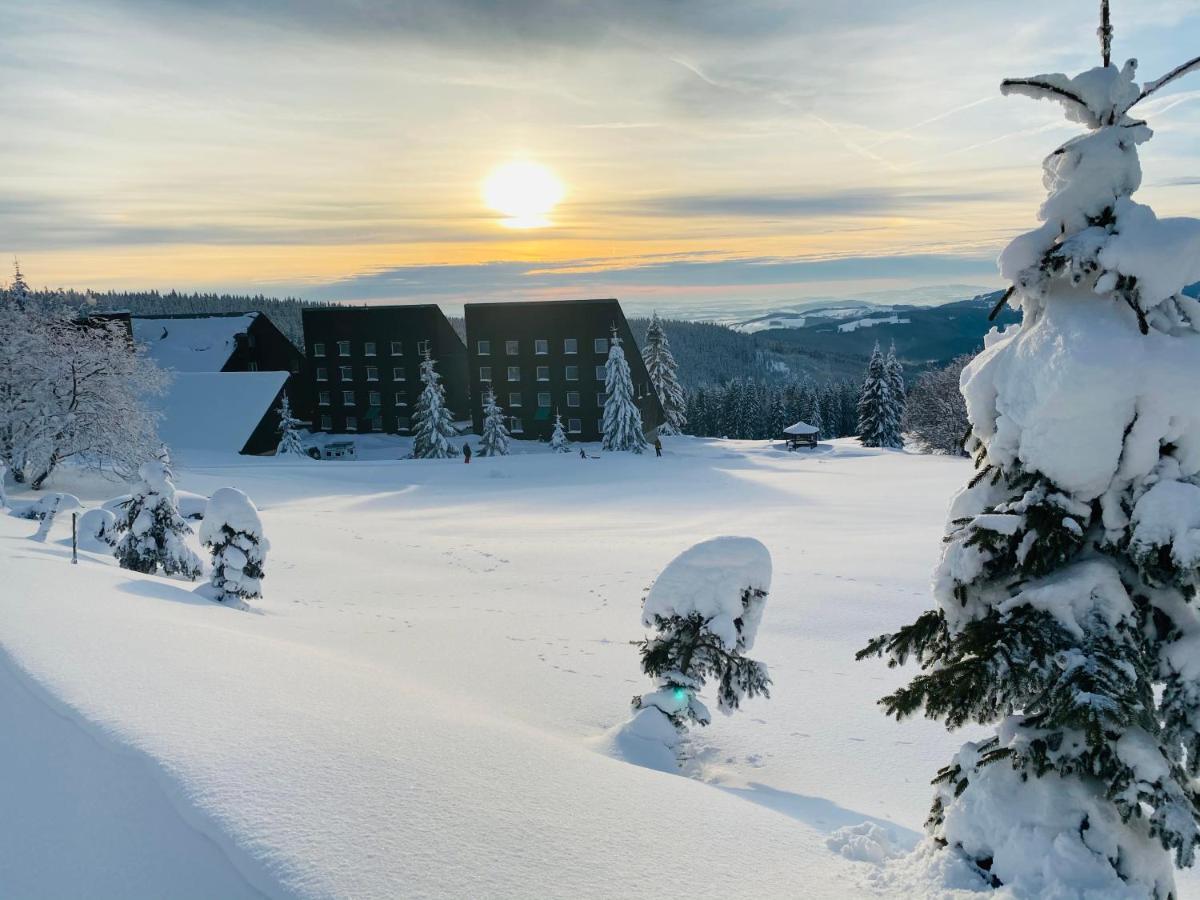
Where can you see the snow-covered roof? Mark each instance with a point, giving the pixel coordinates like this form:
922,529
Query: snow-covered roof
801,428
193,343
216,410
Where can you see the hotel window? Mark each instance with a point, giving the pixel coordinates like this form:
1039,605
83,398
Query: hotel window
572,398
543,373
318,349
541,348
250,341
483,348
351,423
397,348
346,373
398,374
485,373
570,345
402,423
401,398
368,348
600,373
252,366
343,348
600,398
517,426
543,399
514,373
512,348
372,373
600,345
373,398
574,426
514,400
323,398
600,425
327,423
572,373
377,424
295,367
347,398
322,373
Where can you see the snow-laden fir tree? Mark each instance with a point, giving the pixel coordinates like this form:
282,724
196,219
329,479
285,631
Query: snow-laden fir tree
494,440
433,422
661,365
878,422
1067,616
233,531
705,609
152,530
289,431
895,374
558,437
622,419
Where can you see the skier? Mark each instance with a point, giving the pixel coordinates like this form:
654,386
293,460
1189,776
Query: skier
467,454
657,446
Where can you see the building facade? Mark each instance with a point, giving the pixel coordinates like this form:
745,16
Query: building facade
546,356
364,365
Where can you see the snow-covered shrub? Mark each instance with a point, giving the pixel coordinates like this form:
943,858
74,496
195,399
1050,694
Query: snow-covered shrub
1066,613
290,444
622,419
56,502
705,609
878,409
661,366
97,529
233,531
558,437
47,517
935,415
152,531
432,421
494,440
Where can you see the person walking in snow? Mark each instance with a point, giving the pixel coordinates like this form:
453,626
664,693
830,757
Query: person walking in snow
582,453
467,454
657,446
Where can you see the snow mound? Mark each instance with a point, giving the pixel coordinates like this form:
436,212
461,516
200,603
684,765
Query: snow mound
709,579
97,531
867,842
43,505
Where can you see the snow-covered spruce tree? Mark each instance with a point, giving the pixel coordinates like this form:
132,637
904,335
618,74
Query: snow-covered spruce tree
558,437
434,422
234,532
494,440
896,386
622,419
152,530
705,609
935,414
878,424
289,432
1067,612
661,365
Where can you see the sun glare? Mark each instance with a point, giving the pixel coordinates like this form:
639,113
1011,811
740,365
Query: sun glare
523,191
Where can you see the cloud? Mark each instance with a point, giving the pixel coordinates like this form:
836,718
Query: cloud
868,202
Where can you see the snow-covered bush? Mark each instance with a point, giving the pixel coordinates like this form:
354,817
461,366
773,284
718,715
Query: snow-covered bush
290,444
233,531
558,437
47,517
1066,612
661,366
97,531
705,609
935,415
432,421
56,502
494,440
622,419
878,412
152,531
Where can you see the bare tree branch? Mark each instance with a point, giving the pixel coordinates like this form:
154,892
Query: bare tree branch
1010,84
1178,72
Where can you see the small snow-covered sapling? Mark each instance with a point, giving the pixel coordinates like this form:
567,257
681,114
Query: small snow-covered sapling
233,531
47,521
153,533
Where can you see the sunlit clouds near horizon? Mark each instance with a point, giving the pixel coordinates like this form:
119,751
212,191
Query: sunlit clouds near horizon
685,156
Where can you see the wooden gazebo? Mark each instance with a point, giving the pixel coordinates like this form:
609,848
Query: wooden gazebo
801,435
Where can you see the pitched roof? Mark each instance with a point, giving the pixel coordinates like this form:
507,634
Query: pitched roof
801,428
216,410
191,343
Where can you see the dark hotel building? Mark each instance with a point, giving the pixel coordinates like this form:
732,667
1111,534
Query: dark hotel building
364,365
547,356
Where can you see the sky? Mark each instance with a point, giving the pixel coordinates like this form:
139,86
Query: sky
715,156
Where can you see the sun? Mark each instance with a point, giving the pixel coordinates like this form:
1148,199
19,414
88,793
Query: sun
524,192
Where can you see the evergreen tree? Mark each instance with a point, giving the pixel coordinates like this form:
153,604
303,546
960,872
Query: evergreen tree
434,424
661,366
896,387
494,440
152,531
558,438
289,435
1066,600
699,639
876,425
18,289
233,531
622,419
936,414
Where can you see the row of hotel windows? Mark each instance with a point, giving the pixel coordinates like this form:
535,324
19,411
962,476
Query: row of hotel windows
570,373
346,373
375,423
541,347
375,398
369,348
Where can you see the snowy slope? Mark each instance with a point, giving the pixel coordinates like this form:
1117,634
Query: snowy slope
440,651
201,344
216,410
